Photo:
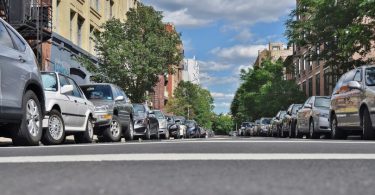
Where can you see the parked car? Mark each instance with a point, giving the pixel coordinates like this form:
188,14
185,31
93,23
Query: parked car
242,130
202,132
249,128
173,127
312,119
68,112
182,128
255,130
113,111
145,122
352,104
290,120
264,126
192,129
22,101
273,127
163,123
233,133
279,123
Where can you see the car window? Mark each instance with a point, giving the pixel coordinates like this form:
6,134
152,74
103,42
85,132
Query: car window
159,114
370,76
296,108
63,80
76,92
358,76
97,92
5,39
307,101
139,108
49,81
21,45
323,102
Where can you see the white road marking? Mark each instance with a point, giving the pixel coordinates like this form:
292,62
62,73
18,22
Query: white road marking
184,157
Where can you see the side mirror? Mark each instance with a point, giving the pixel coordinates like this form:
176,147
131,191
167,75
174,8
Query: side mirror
66,89
151,112
277,118
288,113
308,106
120,98
354,85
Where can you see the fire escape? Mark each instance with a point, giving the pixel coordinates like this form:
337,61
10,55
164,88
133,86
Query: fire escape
32,19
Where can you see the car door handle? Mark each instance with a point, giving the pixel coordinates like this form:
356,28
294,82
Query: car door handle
85,103
20,58
75,101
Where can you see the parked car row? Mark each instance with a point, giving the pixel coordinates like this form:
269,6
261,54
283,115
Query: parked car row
48,106
350,110
179,127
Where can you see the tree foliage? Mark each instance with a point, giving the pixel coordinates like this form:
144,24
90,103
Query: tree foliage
340,32
263,92
133,53
222,124
193,102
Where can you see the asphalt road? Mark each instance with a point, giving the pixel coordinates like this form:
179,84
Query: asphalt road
214,166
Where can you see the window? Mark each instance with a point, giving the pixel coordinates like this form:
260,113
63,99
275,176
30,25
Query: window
327,82
111,3
76,92
307,102
95,4
80,23
63,80
339,83
317,84
21,46
72,15
91,42
57,14
5,39
49,81
310,87
358,76
97,92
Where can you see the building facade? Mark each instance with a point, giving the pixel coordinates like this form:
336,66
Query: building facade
191,71
74,23
275,51
164,89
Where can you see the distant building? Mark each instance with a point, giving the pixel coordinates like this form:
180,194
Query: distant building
167,84
191,71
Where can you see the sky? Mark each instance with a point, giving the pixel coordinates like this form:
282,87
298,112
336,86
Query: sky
225,36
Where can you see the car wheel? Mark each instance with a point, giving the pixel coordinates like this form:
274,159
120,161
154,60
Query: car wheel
86,136
29,131
157,134
290,131
177,136
148,133
297,133
312,133
368,131
336,133
129,134
113,132
55,132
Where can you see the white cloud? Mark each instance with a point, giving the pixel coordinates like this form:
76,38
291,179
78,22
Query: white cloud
182,18
222,105
238,51
213,66
218,95
209,80
236,11
244,35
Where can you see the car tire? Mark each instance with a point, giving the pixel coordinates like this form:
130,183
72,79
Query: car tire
157,135
368,130
86,136
113,132
312,134
55,132
22,135
336,133
177,136
148,133
129,134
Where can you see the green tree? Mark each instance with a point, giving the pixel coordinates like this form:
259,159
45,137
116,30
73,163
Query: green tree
222,124
340,32
263,92
193,102
132,54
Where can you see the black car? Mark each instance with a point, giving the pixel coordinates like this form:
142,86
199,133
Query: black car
113,111
173,127
193,129
145,122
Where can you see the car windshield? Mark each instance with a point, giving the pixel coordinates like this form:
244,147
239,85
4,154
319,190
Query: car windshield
139,108
282,114
97,92
49,81
266,121
323,102
245,124
158,114
190,123
370,76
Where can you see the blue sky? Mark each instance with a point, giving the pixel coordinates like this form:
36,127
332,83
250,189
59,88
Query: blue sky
225,36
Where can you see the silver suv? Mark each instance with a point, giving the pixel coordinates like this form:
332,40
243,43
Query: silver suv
353,104
21,92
